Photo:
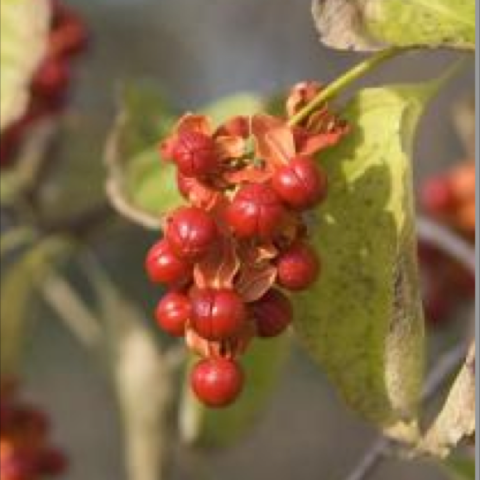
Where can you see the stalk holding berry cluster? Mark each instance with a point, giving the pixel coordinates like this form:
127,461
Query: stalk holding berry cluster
242,239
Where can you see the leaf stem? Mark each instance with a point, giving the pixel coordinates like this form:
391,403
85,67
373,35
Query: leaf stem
344,81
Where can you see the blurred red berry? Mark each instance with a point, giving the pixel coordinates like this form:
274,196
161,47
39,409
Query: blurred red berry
301,184
255,211
172,313
436,195
297,267
273,313
217,314
194,153
191,232
163,266
217,382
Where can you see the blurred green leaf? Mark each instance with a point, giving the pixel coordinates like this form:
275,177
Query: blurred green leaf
363,320
139,184
263,364
19,282
24,26
242,103
460,468
375,24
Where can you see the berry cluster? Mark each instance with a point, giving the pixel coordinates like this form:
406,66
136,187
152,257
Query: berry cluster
449,198
49,86
24,450
242,238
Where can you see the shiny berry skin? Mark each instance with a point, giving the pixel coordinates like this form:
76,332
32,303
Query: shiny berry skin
163,266
273,313
217,382
301,184
190,233
194,153
255,211
172,313
217,314
297,267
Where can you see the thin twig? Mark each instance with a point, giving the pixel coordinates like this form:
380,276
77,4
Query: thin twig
447,241
61,297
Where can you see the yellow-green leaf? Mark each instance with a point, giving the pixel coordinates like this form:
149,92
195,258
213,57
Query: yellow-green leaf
456,420
375,24
263,364
460,467
139,185
24,27
363,320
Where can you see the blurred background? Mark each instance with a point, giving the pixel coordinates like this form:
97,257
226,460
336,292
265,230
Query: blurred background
197,51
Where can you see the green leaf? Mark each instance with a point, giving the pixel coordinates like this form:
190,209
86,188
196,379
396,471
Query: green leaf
363,320
139,184
24,26
241,103
19,283
263,364
460,468
376,24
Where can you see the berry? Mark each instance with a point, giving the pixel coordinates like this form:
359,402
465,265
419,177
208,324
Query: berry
53,462
217,382
52,78
297,267
163,266
300,184
255,211
190,233
437,196
217,314
194,153
172,313
273,313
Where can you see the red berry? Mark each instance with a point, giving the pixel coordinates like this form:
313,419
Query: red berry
53,462
217,382
194,153
217,314
255,211
163,266
297,267
172,313
301,184
273,313
437,196
52,78
191,232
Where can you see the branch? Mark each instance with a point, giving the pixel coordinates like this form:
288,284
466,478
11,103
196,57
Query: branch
447,241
